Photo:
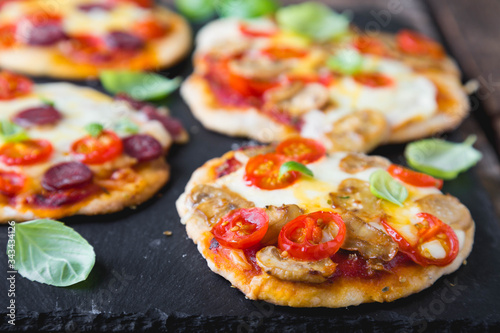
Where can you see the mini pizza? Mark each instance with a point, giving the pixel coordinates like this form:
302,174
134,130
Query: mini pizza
333,238
76,39
256,80
67,150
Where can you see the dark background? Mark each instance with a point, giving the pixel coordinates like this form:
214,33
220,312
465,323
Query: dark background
145,281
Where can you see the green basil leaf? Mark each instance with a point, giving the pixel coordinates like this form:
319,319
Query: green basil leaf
245,9
314,20
347,62
47,101
295,166
49,252
442,159
10,132
126,126
140,86
383,186
94,129
196,10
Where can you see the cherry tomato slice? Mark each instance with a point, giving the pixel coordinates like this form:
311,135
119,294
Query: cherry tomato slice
140,3
301,150
414,178
374,80
246,30
26,152
11,183
413,43
263,171
302,237
13,86
7,35
432,228
101,149
241,228
370,45
149,29
281,53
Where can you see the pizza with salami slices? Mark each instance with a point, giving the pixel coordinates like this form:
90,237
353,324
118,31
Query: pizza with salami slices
67,150
76,39
253,78
342,229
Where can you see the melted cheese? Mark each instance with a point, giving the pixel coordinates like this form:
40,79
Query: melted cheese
79,107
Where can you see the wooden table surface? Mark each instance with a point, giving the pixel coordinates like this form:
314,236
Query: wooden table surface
471,32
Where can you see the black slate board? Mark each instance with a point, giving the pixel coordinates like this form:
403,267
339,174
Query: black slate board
146,281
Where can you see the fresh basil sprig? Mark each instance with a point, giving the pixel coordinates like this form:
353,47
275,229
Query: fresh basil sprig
442,159
294,166
140,86
10,132
49,252
126,126
383,186
314,20
94,129
346,61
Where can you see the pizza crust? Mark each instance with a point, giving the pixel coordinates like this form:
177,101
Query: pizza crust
340,293
151,177
47,61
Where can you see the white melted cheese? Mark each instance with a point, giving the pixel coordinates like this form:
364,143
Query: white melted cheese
79,107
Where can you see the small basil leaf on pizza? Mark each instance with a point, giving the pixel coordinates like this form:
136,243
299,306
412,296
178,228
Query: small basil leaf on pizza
245,9
346,61
441,158
49,252
47,101
126,126
295,166
94,129
383,186
140,86
196,10
10,132
314,20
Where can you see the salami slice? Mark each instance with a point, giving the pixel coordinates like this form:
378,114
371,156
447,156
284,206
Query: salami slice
44,34
63,197
123,41
66,175
42,115
143,147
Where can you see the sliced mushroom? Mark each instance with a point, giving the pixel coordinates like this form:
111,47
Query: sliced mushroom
354,196
360,131
289,269
354,163
298,98
213,203
258,68
446,208
367,240
278,217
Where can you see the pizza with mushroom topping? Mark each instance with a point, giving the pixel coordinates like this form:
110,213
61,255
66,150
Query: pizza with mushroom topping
67,150
76,39
333,236
255,79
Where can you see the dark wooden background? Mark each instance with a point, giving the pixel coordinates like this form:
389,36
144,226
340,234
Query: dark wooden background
471,32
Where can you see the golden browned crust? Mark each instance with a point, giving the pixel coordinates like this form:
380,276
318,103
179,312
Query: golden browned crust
149,178
48,61
405,280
